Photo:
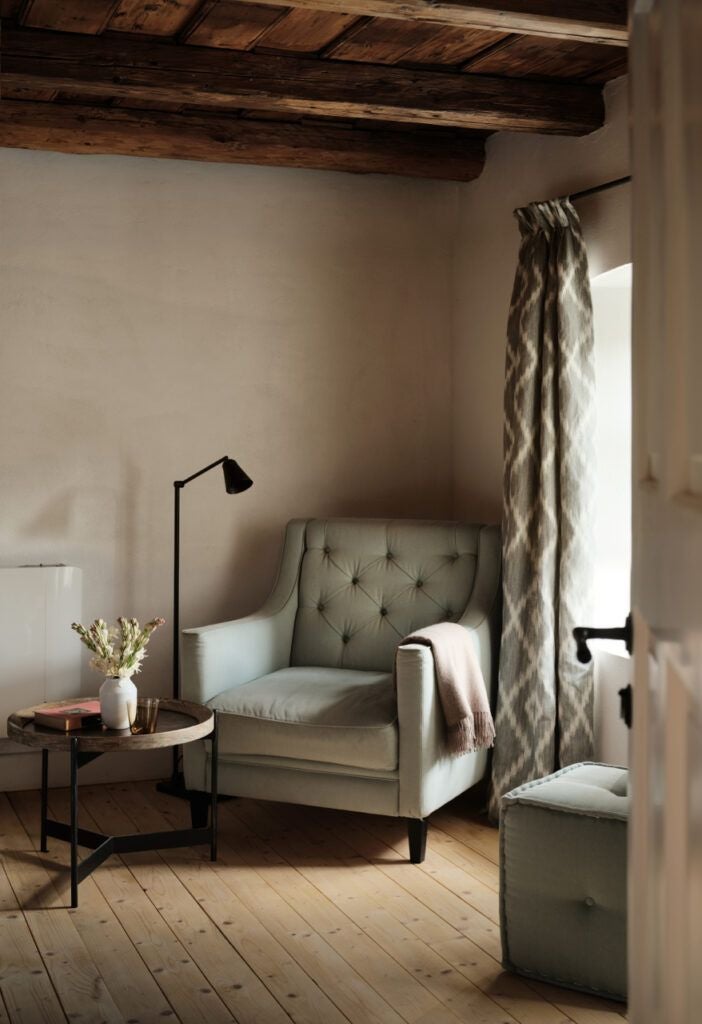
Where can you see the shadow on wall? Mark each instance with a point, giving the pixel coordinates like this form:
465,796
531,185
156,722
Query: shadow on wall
52,520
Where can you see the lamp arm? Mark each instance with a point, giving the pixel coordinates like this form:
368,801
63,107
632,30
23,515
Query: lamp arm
241,482
182,483
178,485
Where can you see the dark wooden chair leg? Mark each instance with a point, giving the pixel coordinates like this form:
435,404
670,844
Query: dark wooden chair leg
200,809
417,835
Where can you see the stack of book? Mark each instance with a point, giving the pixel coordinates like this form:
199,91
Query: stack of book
67,717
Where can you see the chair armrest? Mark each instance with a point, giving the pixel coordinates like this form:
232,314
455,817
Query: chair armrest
420,723
483,611
218,657
429,776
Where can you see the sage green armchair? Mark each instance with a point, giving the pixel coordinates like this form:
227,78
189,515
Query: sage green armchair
308,711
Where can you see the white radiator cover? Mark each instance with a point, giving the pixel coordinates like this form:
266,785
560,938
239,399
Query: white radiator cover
40,660
40,656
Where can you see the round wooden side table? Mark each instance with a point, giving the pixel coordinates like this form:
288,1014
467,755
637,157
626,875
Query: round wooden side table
179,722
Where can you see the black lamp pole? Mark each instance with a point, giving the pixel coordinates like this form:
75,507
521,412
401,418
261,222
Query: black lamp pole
235,481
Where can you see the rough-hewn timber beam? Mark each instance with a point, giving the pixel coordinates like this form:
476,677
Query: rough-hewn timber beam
589,21
68,128
144,71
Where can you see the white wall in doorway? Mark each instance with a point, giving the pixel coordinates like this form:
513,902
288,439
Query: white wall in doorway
611,301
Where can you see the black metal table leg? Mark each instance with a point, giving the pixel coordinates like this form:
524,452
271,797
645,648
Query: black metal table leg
213,785
103,846
74,822
44,796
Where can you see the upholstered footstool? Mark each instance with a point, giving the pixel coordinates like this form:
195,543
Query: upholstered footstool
563,854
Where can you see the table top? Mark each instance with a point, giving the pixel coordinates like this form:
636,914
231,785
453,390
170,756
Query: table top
179,721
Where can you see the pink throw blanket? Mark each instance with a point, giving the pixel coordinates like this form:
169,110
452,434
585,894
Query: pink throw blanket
462,691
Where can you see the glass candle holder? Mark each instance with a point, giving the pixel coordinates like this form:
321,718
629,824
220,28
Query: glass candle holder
145,715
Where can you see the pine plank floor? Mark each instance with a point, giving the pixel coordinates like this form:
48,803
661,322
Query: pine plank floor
309,916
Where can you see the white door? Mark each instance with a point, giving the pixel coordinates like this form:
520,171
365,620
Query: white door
665,878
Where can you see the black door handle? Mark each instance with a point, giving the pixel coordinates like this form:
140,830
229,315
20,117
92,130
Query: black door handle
584,633
626,705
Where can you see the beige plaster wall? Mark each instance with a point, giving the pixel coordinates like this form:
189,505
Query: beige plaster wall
157,315
519,170
343,337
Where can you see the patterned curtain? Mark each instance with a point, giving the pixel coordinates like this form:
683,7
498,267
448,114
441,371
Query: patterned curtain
544,701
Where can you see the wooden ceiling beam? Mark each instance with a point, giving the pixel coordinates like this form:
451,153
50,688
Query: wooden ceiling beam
144,71
587,21
69,128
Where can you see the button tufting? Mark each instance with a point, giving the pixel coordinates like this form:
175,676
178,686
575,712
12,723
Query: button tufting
454,558
326,550
449,613
320,607
389,556
355,580
345,639
588,901
383,611
420,583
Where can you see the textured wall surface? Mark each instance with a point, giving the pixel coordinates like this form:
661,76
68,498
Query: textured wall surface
159,314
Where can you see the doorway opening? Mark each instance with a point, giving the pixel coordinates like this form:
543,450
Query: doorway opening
611,302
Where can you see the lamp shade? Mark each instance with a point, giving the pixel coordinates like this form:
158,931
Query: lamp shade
235,479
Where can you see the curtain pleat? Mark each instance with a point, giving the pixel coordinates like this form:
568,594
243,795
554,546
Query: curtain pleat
545,696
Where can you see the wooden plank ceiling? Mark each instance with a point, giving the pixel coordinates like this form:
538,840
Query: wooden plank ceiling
409,87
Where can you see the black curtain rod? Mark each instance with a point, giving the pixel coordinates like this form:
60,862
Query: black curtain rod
599,188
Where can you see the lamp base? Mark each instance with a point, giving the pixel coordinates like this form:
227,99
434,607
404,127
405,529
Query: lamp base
175,786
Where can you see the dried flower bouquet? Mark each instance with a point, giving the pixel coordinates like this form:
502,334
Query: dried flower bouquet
118,652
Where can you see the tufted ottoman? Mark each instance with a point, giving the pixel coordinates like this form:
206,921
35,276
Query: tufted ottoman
563,855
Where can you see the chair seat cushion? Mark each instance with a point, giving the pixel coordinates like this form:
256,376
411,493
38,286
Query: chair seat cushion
338,716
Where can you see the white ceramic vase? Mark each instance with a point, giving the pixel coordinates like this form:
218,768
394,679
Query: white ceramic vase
117,702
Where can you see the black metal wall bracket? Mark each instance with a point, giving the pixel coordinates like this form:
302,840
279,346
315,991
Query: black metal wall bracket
583,634
625,633
626,705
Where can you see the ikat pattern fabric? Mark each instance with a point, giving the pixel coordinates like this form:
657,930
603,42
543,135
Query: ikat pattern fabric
544,717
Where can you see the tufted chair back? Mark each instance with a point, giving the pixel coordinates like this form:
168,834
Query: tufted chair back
366,583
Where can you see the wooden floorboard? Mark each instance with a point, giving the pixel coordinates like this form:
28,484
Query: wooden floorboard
25,986
309,916
127,978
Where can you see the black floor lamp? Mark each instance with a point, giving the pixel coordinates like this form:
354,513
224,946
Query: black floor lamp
235,481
